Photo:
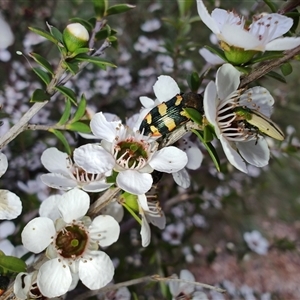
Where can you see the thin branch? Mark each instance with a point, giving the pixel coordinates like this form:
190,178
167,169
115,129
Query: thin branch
268,66
155,278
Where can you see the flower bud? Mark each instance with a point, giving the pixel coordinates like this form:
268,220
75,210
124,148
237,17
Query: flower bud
75,36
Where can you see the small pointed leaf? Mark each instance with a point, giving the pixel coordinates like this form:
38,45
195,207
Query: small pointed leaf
286,69
39,95
66,114
80,51
276,76
193,81
80,110
62,138
44,34
79,127
11,264
42,74
72,67
210,149
118,9
42,61
67,93
195,115
100,7
55,32
95,60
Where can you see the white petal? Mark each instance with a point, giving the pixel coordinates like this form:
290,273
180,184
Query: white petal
210,57
159,222
145,232
7,247
258,98
147,102
195,158
255,152
272,25
105,229
56,161
223,17
96,186
49,207
233,156
103,129
54,278
143,203
10,205
7,36
236,36
206,17
58,181
93,159
3,163
285,43
227,80
169,159
182,178
74,205
165,88
38,234
210,101
134,182
97,272
6,228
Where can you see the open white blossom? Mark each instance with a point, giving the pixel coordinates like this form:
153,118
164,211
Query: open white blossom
239,142
72,243
256,242
129,153
186,288
263,34
10,203
65,174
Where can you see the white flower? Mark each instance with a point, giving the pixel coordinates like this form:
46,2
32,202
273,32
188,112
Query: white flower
256,242
129,153
173,233
264,34
72,243
7,36
151,25
10,203
186,288
211,58
150,212
65,174
238,141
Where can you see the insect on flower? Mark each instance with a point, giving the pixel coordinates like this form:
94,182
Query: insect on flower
259,122
167,116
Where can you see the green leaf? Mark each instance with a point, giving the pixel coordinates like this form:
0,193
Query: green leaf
271,5
208,135
286,69
83,22
80,110
39,96
45,34
79,51
95,60
193,81
72,67
195,115
266,56
67,93
11,264
210,149
55,32
100,7
62,138
42,61
79,127
184,6
276,76
66,115
42,74
103,33
118,9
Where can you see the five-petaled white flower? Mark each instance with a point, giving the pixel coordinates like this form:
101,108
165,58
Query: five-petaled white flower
131,154
10,203
65,174
256,242
238,141
264,34
72,243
